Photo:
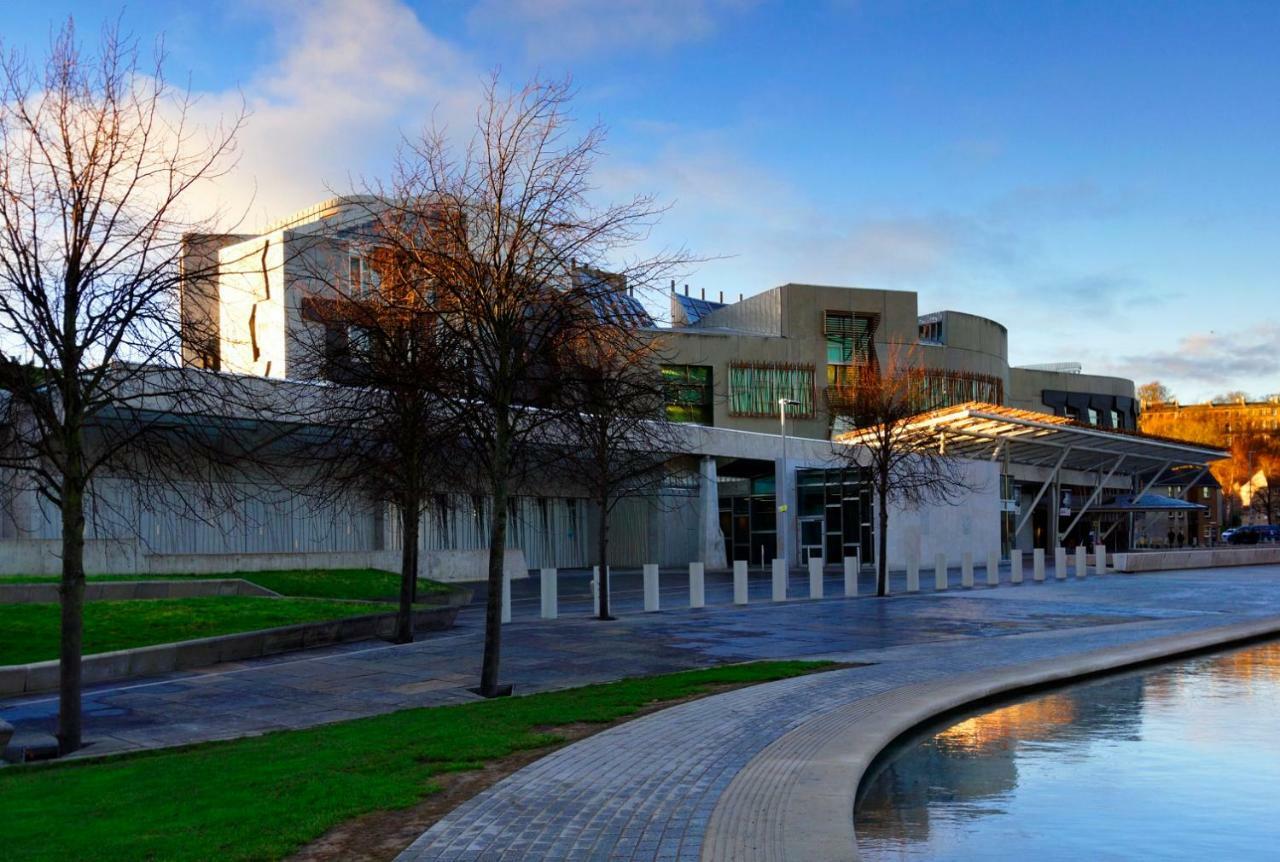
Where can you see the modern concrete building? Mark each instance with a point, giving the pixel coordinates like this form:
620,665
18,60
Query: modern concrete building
737,489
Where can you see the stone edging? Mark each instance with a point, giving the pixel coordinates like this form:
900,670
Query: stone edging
795,799
202,652
178,588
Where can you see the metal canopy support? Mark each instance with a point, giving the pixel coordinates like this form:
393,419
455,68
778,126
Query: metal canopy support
1093,498
1187,487
1053,475
1155,478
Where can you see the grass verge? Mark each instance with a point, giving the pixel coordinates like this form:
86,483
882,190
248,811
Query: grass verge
265,797
374,585
29,632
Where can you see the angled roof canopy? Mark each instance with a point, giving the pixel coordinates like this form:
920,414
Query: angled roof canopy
1147,503
988,431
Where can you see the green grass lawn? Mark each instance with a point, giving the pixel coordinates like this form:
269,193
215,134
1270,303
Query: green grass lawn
29,632
365,584
264,797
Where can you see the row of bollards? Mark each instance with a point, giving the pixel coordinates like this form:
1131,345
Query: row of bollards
852,565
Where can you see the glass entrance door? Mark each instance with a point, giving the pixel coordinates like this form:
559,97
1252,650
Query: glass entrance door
810,539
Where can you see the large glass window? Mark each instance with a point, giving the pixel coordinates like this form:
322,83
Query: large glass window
688,393
946,388
756,387
849,337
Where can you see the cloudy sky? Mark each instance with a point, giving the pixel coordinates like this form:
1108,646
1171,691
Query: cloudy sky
1100,177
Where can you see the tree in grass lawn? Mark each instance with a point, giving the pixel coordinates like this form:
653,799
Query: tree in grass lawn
503,221
369,328
617,435
904,463
99,157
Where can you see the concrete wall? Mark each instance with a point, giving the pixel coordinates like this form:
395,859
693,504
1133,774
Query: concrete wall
251,319
970,343
1027,387
785,324
972,525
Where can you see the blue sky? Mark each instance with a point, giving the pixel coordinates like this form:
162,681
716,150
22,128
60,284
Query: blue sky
1100,177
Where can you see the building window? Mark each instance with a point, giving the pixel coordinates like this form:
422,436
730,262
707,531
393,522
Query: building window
688,393
1093,416
1115,419
364,278
931,331
850,337
756,387
947,388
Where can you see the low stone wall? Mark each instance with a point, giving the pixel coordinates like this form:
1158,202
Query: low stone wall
17,594
164,658
463,566
43,557
1200,558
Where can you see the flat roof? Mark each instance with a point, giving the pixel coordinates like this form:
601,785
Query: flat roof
976,430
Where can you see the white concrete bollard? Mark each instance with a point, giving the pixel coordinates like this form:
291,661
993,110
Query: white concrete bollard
815,577
1100,559
1082,561
506,597
697,586
851,576
595,589
779,580
993,568
739,582
550,593
1037,565
1015,566
966,570
1060,563
913,575
940,577
651,600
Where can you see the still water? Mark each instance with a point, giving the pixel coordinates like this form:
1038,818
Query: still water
1180,762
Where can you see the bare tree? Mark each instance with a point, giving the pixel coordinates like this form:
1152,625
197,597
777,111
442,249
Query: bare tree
1154,392
99,156
904,464
498,226
615,426
377,432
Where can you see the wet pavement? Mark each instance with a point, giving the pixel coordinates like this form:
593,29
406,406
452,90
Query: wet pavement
330,684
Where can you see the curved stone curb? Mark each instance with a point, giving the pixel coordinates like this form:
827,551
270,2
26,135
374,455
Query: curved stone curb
795,799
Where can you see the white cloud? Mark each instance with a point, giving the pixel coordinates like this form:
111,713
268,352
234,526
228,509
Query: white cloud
349,79
1203,363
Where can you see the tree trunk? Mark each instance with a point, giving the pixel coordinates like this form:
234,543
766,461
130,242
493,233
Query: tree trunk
882,564
493,605
602,547
408,573
70,726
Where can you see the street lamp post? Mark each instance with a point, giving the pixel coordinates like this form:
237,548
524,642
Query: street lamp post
783,531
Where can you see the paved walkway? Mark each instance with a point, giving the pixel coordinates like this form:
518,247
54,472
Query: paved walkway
609,797
318,686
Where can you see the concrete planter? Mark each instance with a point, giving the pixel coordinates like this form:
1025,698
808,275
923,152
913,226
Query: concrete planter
202,652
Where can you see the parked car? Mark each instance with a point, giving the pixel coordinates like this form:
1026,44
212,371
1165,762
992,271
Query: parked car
1252,534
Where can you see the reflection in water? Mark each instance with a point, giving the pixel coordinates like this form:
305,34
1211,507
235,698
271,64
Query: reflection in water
1175,763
